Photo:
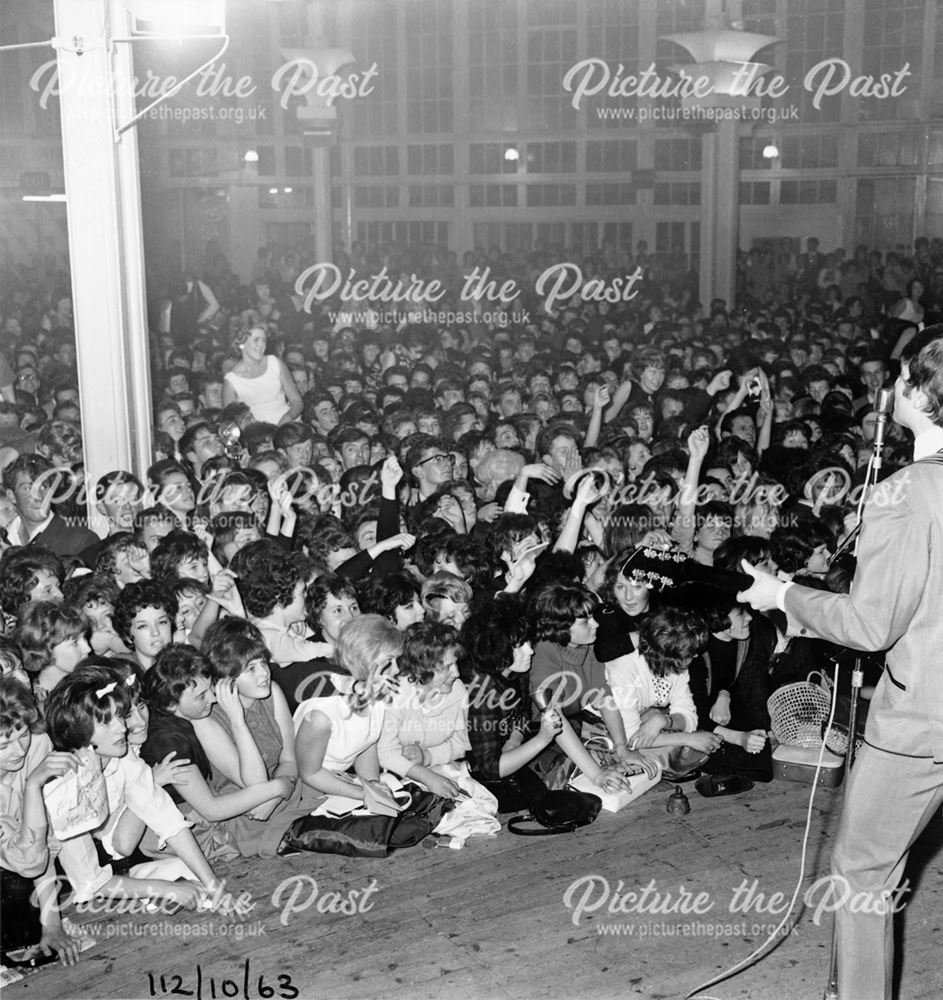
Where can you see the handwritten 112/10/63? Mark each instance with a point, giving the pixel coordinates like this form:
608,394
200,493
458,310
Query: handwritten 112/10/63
212,988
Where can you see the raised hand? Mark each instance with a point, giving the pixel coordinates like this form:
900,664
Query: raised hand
699,440
391,472
227,696
601,397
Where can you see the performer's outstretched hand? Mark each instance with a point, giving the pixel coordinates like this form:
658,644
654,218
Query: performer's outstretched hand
762,595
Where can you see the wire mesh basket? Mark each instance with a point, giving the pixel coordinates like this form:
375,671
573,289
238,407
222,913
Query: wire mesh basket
798,713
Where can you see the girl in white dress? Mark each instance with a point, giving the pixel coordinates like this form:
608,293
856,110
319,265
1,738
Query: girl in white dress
261,381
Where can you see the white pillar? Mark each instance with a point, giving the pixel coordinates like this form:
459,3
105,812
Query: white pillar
720,213
103,200
323,209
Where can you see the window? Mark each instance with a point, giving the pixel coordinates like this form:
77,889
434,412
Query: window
678,193
428,66
298,161
376,196
807,193
492,65
374,40
611,156
613,24
551,157
492,195
810,151
545,195
677,154
431,195
610,194
617,234
755,193
551,51
438,159
376,161
584,235
893,36
888,149
813,33
489,158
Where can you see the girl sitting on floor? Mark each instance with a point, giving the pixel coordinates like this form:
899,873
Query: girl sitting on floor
650,690
27,762
90,708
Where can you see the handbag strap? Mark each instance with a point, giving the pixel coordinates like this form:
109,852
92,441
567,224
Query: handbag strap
516,826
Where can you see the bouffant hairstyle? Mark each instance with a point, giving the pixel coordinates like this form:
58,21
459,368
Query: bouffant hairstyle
506,531
137,596
324,543
176,668
753,548
231,644
557,607
82,592
390,592
424,647
444,586
120,543
613,572
17,708
89,695
496,627
267,579
19,569
364,643
41,626
791,545
670,638
173,549
320,592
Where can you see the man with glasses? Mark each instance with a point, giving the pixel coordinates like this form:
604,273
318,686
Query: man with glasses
430,464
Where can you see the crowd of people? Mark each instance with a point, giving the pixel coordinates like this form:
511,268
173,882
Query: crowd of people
476,558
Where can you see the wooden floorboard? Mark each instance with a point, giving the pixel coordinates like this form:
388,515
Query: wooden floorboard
489,921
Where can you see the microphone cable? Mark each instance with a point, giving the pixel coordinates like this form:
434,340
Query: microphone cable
757,953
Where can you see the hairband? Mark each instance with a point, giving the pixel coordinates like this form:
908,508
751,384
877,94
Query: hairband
107,689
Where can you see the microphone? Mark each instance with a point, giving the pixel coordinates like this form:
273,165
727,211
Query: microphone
883,405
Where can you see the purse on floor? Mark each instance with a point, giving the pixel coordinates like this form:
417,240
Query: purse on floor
367,835
557,812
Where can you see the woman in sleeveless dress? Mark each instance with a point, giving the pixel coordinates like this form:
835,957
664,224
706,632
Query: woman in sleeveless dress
340,733
249,737
260,381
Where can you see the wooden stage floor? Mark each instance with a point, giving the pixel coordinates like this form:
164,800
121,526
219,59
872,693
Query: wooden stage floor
493,920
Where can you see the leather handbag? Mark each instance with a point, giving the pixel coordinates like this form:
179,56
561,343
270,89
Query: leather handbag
366,835
557,812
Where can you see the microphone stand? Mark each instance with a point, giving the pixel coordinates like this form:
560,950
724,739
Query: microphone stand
882,406
857,680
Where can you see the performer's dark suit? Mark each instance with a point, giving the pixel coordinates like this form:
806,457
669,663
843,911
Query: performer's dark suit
896,785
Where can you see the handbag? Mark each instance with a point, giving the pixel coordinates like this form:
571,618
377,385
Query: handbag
797,711
367,835
557,812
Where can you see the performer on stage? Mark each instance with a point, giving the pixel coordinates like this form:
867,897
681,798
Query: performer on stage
896,785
